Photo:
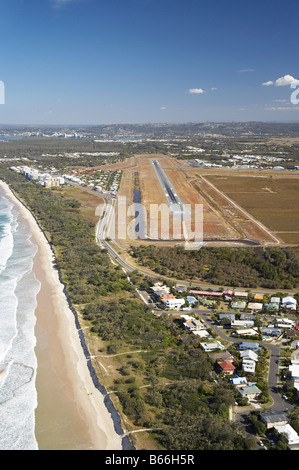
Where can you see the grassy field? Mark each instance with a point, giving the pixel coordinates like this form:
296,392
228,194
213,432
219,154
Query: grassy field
274,201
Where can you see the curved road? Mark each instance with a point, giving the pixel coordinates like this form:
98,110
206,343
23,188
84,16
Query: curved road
279,404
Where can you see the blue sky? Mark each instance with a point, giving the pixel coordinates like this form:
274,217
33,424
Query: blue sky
138,61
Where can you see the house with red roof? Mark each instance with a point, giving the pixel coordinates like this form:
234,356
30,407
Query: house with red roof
226,367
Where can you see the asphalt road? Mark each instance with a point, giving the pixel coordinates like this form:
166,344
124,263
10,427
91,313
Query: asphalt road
279,403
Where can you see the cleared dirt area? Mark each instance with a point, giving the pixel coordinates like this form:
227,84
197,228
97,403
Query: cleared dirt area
215,226
239,206
273,200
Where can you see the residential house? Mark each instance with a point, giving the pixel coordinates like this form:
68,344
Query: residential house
271,306
248,365
289,302
181,289
275,300
191,300
173,303
206,293
291,334
243,345
294,370
274,418
226,367
295,344
285,323
229,316
238,381
194,325
249,391
247,316
293,437
241,294
255,306
213,346
242,323
247,332
249,354
222,356
258,297
201,333
268,331
228,293
239,305
295,357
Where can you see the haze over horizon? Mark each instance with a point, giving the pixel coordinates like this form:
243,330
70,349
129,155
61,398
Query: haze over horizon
93,62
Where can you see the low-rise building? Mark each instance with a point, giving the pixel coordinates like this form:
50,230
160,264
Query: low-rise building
293,437
248,365
229,316
248,354
238,381
241,294
267,331
271,306
247,332
274,418
275,300
243,345
194,325
242,323
173,303
226,367
213,346
255,306
238,305
249,391
289,302
285,323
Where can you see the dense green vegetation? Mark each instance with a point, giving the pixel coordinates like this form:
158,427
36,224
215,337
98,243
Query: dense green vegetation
85,268
273,268
170,386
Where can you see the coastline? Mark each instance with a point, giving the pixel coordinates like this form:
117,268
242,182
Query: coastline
73,412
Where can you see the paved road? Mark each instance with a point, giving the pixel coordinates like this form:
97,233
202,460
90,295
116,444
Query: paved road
279,403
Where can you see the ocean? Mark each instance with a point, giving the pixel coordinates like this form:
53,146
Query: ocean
18,364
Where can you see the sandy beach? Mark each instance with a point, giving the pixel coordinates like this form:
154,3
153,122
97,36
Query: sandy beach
71,413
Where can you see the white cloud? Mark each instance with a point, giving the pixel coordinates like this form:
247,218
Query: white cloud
245,70
196,91
163,107
283,108
286,80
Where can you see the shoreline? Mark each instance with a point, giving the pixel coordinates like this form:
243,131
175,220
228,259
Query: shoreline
74,411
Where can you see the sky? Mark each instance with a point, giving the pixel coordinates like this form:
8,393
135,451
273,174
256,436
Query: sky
89,62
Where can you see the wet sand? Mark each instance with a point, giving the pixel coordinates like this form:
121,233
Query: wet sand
71,413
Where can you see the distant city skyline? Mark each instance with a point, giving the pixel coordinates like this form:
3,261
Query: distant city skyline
93,62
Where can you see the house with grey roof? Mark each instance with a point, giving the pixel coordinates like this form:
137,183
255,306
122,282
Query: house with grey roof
266,331
249,354
274,418
229,316
249,345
